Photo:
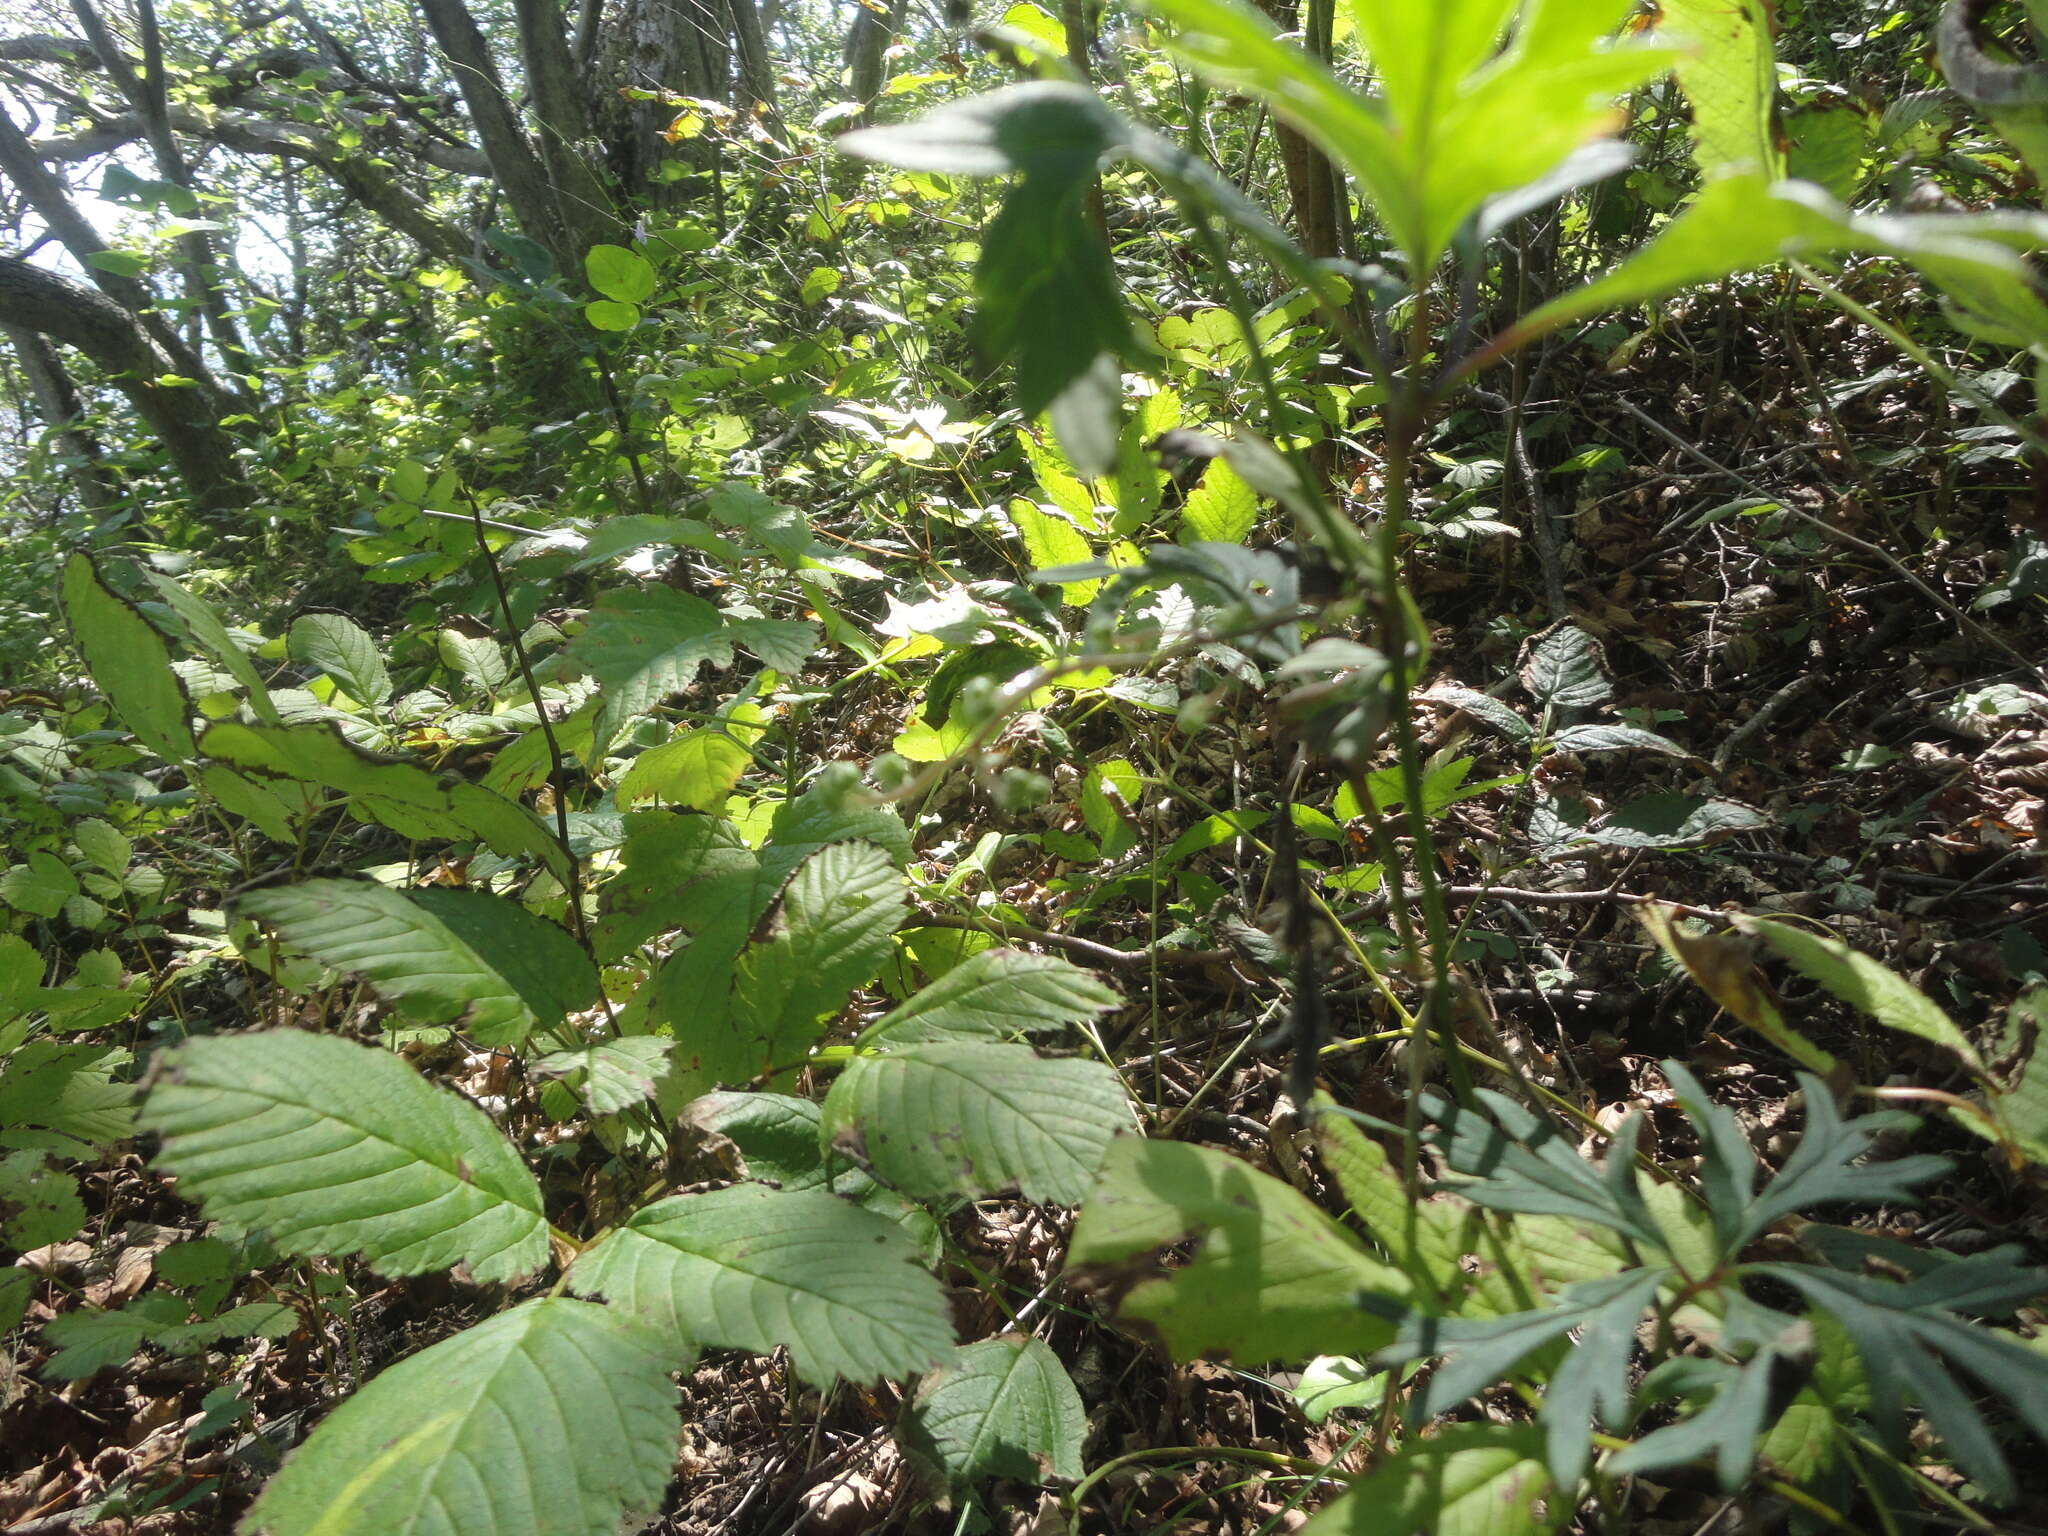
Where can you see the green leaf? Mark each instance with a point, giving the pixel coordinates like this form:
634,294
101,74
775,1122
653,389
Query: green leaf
614,1074
839,918
331,1147
464,958
1051,541
619,274
1614,738
64,1098
341,648
1856,978
1222,509
1272,1278
478,658
604,315
1675,821
557,1417
120,263
648,643
1005,1407
263,808
697,771
775,1134
1728,70
129,660
102,845
393,792
204,629
1565,670
965,1118
39,1204
776,527
822,282
1428,1238
755,1268
1466,1480
997,994
40,887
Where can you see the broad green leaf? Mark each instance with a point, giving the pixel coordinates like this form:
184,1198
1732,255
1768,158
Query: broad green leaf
776,1135
556,1417
1049,541
264,808
1272,1278
1466,1480
1728,70
697,771
129,661
755,1268
997,994
965,1118
39,1204
479,658
40,887
64,1098
613,1074
331,1147
776,526
103,845
1222,509
838,922
464,958
1565,670
203,627
619,274
1005,1407
617,536
1675,821
1427,1238
647,643
1830,141
1856,978
609,315
1598,737
395,793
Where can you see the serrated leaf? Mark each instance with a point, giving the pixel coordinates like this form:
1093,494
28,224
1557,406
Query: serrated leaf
1427,1238
340,648
1614,738
103,845
1051,541
1565,670
1724,968
755,1268
1004,1408
479,658
997,994
393,792
129,661
958,1118
1728,69
1222,509
1485,708
1858,979
203,628
476,961
40,887
331,1147
1675,821
647,643
838,921
775,1134
556,1417
1273,1278
38,1204
64,1097
615,1074
1467,1480
696,771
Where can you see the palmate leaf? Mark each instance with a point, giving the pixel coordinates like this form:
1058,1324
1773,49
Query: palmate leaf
998,994
1005,1407
755,1268
1467,1480
972,1119
331,1147
1589,1386
1273,1277
552,1419
466,958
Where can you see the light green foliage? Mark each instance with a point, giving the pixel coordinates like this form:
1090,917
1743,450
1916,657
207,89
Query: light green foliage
1465,1480
479,962
556,1416
756,1268
696,771
997,994
1004,1408
331,1147
975,1120
645,645
1272,1278
1729,71
612,1075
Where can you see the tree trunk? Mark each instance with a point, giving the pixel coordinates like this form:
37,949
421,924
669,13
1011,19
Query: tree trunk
185,417
556,98
867,40
58,403
1318,203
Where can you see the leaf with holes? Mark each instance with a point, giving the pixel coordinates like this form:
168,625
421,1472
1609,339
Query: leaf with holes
557,1416
961,1118
755,1268
331,1147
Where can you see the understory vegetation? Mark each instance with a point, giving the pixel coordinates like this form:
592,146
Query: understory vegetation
1179,767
